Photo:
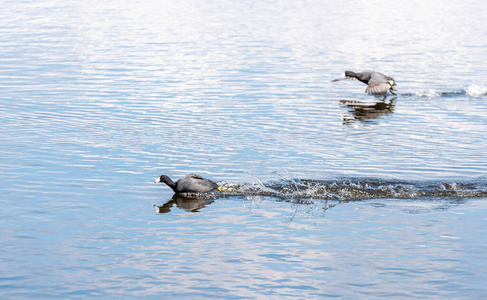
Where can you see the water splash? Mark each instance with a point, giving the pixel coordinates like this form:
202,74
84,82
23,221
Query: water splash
476,89
432,93
428,93
473,89
355,189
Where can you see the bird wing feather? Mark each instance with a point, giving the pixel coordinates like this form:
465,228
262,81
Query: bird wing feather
196,184
378,84
380,88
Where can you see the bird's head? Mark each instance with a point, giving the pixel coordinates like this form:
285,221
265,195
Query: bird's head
163,178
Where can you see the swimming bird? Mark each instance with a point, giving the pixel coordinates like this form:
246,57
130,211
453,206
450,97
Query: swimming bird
377,83
190,183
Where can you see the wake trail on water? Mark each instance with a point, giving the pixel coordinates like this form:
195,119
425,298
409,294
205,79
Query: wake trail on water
473,90
346,189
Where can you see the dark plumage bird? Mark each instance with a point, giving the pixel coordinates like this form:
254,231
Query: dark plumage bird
377,83
190,183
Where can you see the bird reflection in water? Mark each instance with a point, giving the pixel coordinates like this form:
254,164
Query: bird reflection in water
188,204
366,111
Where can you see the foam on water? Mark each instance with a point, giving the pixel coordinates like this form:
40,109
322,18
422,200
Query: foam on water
345,189
477,89
474,90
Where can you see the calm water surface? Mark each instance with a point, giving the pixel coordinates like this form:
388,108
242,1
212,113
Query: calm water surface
328,192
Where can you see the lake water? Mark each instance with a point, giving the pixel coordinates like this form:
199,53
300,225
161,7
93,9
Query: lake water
327,191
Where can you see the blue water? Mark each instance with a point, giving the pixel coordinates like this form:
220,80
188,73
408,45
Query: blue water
327,191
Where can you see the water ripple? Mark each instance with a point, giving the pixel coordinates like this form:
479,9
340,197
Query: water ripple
99,97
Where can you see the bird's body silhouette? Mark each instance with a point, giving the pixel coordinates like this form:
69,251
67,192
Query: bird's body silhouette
190,183
377,83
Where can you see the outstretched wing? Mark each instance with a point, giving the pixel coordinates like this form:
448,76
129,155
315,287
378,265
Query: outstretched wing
378,84
378,88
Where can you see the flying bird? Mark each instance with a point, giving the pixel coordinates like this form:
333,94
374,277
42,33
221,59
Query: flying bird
377,83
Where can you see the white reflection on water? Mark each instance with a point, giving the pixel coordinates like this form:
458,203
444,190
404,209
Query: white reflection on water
230,251
170,81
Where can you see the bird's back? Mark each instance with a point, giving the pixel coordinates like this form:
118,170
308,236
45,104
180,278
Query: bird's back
379,83
193,183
